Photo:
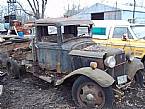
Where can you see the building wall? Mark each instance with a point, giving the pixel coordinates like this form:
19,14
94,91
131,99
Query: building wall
139,16
121,12
98,8
113,15
107,16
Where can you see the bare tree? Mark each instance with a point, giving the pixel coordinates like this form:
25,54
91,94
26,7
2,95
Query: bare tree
72,9
38,7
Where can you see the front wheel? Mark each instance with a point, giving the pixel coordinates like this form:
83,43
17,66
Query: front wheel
88,94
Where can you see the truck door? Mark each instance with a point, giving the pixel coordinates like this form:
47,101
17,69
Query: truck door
47,47
121,38
138,41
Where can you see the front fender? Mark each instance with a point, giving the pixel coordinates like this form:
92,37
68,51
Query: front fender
99,76
133,67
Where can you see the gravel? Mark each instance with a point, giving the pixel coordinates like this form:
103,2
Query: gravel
33,93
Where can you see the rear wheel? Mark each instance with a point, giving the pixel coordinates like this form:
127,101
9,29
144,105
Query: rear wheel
22,70
88,94
139,78
143,60
13,69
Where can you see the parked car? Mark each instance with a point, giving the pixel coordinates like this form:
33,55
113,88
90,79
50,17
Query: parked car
63,52
121,34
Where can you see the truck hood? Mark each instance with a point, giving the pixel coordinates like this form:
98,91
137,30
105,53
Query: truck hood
75,42
96,51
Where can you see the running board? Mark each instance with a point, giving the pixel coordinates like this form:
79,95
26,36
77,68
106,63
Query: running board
46,78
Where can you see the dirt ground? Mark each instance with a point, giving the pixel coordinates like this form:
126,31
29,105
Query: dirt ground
33,93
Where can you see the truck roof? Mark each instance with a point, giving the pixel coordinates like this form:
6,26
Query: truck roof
137,25
106,23
62,21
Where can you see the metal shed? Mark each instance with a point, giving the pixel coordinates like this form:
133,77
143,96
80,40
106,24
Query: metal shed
107,11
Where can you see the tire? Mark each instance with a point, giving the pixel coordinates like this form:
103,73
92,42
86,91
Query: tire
139,78
105,95
13,69
143,61
22,70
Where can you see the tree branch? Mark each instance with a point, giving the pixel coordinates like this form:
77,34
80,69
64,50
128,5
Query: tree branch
42,16
31,7
37,3
38,6
24,9
44,3
34,4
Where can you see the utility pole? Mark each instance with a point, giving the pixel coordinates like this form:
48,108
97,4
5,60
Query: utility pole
116,11
11,7
11,12
134,11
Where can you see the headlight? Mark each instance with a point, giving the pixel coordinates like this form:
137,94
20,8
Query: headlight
129,57
93,65
110,61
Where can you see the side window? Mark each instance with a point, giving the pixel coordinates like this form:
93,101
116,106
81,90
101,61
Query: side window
120,31
98,31
47,34
52,30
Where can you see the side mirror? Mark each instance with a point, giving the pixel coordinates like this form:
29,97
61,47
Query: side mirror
125,37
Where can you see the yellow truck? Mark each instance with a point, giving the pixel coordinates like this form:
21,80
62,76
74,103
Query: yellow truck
121,34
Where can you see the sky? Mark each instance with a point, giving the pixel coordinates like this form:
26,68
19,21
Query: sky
56,8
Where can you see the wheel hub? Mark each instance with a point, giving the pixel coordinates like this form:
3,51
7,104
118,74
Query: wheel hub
90,97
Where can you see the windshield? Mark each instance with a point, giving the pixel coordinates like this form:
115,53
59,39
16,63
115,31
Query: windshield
139,31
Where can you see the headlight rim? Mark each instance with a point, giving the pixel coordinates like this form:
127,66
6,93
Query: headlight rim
130,57
107,61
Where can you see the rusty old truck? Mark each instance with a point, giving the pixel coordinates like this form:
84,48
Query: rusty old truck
63,52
